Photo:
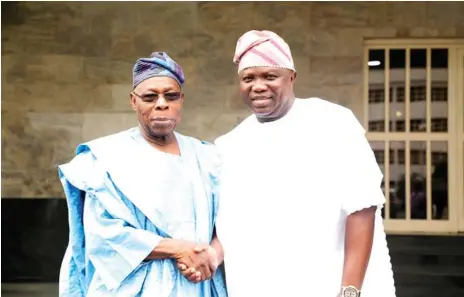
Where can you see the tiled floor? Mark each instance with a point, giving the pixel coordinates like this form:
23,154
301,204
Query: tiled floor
29,290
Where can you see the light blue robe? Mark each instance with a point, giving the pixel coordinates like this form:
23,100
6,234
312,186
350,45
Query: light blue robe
134,197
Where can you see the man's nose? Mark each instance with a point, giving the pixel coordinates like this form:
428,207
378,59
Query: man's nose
161,103
259,87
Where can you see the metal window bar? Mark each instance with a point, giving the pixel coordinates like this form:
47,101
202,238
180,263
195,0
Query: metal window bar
386,167
407,165
428,95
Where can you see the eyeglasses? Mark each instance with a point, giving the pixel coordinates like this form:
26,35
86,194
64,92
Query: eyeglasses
150,97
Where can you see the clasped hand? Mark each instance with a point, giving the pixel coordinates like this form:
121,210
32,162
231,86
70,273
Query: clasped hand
198,264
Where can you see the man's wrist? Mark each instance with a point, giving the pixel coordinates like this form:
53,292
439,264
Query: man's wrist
174,247
219,252
349,291
166,249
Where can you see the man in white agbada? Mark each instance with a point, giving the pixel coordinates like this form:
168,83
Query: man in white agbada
300,193
143,201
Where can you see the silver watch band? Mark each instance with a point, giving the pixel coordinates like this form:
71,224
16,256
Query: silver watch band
350,291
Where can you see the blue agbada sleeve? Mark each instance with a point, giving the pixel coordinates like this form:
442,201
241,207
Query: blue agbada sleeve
114,246
71,280
106,231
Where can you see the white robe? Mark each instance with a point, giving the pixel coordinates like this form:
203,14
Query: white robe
286,189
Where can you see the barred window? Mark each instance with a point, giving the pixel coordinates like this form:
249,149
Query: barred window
418,157
401,157
417,125
439,125
438,157
417,93
376,96
377,126
400,94
439,94
400,126
379,156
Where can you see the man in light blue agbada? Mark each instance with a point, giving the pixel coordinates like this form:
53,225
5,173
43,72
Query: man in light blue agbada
143,201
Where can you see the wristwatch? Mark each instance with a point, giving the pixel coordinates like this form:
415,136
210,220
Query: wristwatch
350,291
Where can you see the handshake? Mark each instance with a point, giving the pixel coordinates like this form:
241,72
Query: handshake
197,262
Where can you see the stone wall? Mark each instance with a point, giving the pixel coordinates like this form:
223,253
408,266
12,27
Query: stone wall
66,66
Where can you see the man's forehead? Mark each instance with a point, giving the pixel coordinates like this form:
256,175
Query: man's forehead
263,70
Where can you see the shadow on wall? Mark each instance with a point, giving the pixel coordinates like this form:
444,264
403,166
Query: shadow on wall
34,236
12,14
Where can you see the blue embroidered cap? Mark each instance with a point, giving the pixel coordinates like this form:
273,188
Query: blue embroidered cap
158,64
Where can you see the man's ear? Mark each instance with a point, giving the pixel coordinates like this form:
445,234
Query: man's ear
132,101
293,77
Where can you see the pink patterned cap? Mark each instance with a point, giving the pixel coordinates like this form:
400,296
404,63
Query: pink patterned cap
262,49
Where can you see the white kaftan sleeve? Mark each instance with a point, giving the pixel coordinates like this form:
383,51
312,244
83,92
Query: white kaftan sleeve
360,174
216,181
